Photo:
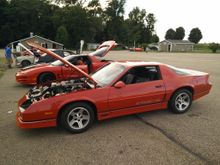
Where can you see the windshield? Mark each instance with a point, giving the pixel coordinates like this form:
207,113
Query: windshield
59,63
106,75
99,52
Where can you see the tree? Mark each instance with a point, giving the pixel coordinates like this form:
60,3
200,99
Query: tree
137,16
136,25
180,33
195,35
62,35
95,8
114,16
214,47
74,20
25,16
170,34
141,26
69,2
115,9
155,39
151,20
3,7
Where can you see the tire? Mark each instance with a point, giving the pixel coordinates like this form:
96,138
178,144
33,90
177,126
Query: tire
77,117
25,63
46,77
181,101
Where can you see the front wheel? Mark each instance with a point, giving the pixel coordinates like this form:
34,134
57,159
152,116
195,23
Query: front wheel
77,117
25,63
181,101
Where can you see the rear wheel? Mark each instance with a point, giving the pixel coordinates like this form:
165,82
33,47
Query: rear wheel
46,77
25,63
77,117
181,101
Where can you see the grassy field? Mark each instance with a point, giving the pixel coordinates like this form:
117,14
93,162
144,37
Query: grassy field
1,52
2,68
2,62
1,72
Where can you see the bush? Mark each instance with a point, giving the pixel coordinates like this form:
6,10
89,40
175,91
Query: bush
214,47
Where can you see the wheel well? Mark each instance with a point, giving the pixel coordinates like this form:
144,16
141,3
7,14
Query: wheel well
26,60
80,101
189,88
51,73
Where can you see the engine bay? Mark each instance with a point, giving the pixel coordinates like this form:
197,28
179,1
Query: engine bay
57,88
52,89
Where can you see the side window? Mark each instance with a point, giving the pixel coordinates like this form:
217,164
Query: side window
78,61
141,74
59,52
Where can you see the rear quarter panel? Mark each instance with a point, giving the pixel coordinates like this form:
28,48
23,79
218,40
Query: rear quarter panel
173,82
202,86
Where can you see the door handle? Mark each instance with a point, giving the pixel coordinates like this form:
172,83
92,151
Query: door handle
158,86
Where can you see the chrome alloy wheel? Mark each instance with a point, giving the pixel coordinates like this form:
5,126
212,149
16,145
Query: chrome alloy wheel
182,101
78,118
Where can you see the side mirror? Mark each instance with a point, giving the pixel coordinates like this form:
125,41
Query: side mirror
119,84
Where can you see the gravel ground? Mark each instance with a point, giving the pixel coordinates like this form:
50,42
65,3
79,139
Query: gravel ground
158,137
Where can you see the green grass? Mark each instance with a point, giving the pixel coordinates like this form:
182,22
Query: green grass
1,72
2,66
203,48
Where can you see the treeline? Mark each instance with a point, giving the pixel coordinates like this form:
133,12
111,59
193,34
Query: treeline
195,34
69,21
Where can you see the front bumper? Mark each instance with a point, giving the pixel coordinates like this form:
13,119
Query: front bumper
25,79
34,124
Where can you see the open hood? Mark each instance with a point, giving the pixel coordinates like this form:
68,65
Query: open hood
19,44
62,60
103,49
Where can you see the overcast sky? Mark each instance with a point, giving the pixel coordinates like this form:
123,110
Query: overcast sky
204,14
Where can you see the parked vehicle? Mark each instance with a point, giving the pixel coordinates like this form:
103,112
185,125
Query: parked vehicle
120,88
28,57
136,49
42,73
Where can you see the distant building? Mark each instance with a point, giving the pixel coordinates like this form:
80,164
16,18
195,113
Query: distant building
176,46
36,39
92,46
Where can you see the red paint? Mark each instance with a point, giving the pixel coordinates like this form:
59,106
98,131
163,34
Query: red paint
30,76
136,49
117,100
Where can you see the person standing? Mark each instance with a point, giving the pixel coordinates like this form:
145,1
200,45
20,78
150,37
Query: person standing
8,56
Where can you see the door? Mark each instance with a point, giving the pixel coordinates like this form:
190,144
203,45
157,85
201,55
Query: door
169,48
68,72
136,95
140,92
71,73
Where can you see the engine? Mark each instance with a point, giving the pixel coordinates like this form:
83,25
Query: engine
56,88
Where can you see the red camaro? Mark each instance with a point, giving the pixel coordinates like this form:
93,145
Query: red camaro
120,88
42,73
